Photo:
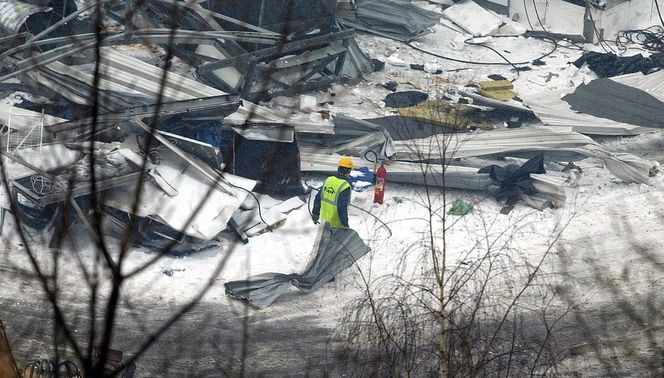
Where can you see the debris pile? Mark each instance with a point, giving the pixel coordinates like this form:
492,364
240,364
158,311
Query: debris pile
170,111
212,123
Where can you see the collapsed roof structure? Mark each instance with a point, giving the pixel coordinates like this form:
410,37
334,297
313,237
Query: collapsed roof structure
204,109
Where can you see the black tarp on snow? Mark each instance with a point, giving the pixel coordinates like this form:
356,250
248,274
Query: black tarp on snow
609,64
605,98
338,249
515,181
405,99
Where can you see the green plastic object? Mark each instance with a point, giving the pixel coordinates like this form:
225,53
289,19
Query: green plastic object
460,208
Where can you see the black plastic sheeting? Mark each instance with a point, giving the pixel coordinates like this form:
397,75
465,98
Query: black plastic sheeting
609,64
275,165
605,98
281,16
338,249
405,99
515,180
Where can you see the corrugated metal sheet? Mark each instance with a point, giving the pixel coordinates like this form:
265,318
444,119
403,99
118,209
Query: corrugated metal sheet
336,250
556,144
14,13
552,110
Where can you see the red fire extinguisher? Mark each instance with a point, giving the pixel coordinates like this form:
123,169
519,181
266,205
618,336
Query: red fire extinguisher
379,190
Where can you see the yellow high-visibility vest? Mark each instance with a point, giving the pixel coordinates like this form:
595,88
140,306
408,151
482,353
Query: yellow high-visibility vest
332,188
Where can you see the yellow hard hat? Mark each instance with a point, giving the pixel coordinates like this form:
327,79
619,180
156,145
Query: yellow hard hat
346,162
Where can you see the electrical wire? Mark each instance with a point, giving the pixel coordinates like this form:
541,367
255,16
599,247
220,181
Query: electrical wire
375,217
659,13
525,7
469,41
553,41
601,40
651,38
375,161
258,202
538,18
507,61
47,369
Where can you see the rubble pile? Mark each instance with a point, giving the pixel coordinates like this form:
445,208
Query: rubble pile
195,110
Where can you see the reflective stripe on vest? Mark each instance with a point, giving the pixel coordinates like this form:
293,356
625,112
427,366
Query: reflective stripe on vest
329,198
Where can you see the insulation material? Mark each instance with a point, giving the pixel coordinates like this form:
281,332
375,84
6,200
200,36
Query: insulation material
473,18
497,89
514,180
441,112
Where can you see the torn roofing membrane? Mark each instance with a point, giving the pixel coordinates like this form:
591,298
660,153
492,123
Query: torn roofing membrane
606,98
552,110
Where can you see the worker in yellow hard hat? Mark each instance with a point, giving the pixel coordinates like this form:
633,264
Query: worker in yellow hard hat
332,201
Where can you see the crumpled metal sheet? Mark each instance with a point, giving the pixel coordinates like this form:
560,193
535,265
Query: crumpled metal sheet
338,249
13,15
356,64
398,20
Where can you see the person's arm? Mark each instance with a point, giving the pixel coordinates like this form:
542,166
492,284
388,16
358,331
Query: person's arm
342,206
315,213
